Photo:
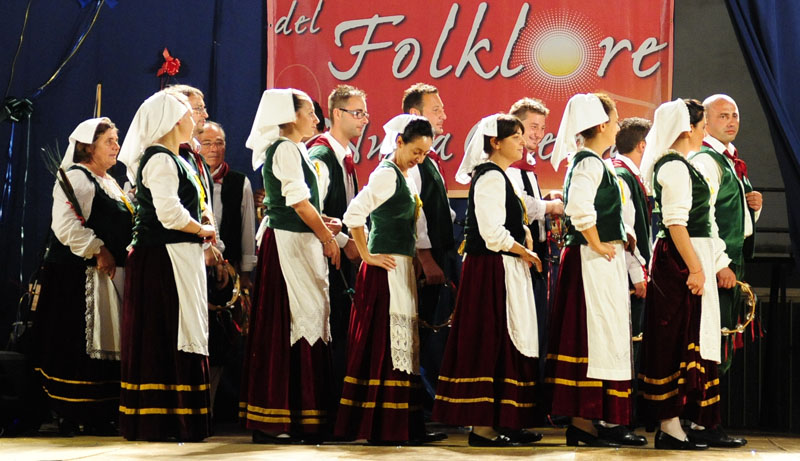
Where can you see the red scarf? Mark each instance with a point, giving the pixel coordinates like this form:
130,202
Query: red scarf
523,164
349,164
738,164
221,172
438,161
620,164
197,158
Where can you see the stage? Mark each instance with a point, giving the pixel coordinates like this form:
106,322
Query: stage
238,446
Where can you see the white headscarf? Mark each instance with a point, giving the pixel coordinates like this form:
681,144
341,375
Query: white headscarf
156,117
474,154
84,133
582,111
275,109
670,120
394,128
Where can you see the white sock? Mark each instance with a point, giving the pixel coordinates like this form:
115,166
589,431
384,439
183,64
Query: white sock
607,425
697,427
673,428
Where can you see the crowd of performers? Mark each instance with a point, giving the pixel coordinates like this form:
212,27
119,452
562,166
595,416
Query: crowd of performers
125,334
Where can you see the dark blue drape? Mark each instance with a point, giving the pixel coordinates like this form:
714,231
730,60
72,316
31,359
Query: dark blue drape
769,32
222,48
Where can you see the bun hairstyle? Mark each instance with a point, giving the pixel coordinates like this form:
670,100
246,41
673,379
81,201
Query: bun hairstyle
696,111
507,125
417,128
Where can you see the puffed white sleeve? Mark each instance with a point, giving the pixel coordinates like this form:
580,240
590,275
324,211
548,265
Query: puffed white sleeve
490,211
381,186
676,193
586,178
68,229
160,175
248,211
287,166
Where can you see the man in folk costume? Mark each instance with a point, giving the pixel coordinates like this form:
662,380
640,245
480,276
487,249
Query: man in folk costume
332,158
736,209
235,211
435,242
533,114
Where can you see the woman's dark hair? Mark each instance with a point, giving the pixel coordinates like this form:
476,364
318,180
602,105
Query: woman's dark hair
608,106
696,111
81,155
507,125
417,128
298,98
320,116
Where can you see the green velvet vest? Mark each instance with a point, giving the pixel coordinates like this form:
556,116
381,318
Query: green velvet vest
436,206
279,215
148,230
642,224
699,224
335,203
394,222
607,204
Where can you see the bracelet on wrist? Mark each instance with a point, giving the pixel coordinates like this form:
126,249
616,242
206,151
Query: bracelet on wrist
696,272
325,242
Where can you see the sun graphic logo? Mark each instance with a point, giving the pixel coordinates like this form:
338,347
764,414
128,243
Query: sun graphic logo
559,52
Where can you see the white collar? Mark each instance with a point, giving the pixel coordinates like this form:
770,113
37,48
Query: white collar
718,146
338,149
624,159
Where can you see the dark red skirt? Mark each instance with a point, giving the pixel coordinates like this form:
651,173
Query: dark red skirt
572,392
285,388
79,388
674,380
484,380
378,402
165,392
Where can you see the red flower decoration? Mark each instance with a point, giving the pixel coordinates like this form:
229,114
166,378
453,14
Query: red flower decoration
171,65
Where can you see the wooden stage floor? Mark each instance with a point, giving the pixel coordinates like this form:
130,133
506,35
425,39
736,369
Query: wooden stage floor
237,446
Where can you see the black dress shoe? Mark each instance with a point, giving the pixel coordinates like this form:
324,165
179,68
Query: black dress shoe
575,435
501,440
428,437
621,435
716,438
264,438
522,436
665,441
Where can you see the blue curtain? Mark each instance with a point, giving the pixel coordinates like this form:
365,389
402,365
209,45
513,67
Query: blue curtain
222,48
769,32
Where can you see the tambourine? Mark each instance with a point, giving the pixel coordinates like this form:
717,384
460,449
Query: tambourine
233,284
750,301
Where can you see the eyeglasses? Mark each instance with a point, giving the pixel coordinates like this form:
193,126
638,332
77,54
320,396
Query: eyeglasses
357,114
200,109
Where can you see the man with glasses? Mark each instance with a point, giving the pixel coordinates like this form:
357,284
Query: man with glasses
338,183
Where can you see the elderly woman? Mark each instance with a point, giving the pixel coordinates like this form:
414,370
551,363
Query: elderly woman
489,384
286,392
165,318
681,347
381,397
77,345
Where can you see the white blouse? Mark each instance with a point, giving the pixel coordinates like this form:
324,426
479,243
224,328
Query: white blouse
288,169
380,188
490,190
586,178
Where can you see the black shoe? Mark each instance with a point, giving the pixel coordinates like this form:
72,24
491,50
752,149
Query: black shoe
575,435
501,440
665,441
716,438
522,436
263,437
428,437
621,435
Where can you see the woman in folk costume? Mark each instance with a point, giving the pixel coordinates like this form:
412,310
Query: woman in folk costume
165,313
491,362
382,396
681,344
589,365
77,337
286,384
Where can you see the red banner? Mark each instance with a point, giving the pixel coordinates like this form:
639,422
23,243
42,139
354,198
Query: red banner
481,57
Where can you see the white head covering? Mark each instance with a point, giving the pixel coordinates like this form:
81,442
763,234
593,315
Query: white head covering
394,128
84,133
474,154
582,111
670,120
156,117
275,109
